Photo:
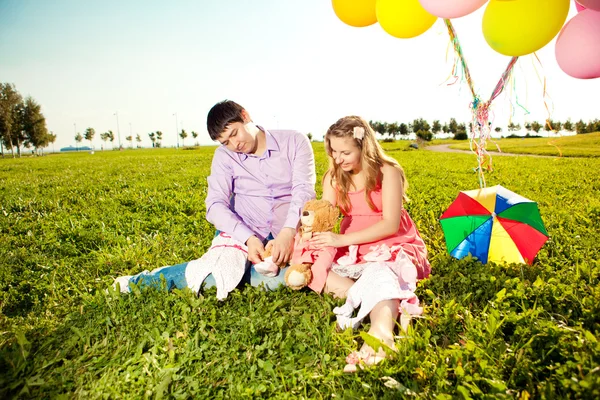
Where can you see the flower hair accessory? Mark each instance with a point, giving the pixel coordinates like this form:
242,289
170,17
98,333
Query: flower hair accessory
358,132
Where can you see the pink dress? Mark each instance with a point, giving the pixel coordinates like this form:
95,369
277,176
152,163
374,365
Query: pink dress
321,260
362,216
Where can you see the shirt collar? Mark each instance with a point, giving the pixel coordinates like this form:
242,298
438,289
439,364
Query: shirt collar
272,145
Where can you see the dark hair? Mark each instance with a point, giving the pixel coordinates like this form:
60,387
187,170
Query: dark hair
221,115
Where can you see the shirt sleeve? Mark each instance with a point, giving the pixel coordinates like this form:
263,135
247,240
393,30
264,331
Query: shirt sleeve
218,200
304,178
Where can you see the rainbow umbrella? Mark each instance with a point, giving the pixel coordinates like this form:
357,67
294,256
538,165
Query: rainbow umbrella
493,224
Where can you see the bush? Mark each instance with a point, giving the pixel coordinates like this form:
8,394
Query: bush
461,136
425,135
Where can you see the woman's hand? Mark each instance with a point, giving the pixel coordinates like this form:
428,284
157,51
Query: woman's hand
324,239
255,249
282,246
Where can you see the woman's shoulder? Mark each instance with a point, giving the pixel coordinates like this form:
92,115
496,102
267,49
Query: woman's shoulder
390,171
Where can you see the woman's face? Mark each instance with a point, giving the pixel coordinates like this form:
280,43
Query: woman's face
345,153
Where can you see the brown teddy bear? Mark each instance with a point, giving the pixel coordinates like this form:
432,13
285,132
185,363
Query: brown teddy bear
310,266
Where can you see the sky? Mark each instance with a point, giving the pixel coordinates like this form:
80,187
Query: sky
136,67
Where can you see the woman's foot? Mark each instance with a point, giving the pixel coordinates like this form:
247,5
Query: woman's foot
367,356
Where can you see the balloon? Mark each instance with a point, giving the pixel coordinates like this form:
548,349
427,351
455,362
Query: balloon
590,4
451,8
403,18
578,46
578,6
357,13
516,28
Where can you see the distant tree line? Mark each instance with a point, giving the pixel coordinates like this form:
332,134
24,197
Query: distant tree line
423,130
21,122
420,127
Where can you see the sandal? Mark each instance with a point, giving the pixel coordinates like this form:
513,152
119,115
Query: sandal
362,359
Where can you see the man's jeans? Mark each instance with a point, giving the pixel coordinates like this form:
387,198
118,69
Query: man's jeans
175,276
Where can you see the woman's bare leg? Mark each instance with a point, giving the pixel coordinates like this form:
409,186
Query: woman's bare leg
337,285
383,322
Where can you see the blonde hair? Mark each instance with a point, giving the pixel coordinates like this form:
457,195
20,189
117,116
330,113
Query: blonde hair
372,158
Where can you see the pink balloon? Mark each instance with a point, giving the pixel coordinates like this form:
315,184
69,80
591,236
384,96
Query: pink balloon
578,46
578,6
590,4
451,8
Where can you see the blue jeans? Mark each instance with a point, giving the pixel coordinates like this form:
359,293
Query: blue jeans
175,276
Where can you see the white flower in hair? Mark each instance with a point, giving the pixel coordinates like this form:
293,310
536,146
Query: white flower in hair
358,132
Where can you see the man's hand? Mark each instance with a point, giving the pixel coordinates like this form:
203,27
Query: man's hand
282,246
255,249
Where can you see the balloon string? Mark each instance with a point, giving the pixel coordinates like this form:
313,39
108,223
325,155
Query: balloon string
458,51
547,96
480,131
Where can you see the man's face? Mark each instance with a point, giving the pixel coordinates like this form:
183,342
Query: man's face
237,137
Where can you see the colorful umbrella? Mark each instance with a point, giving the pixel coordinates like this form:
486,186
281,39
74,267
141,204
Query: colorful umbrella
493,224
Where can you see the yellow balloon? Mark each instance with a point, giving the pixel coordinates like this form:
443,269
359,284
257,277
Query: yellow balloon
357,13
518,27
403,18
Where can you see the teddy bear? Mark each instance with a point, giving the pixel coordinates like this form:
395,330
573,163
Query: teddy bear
309,266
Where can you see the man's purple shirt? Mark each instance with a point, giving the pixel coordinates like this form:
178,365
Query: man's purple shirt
258,195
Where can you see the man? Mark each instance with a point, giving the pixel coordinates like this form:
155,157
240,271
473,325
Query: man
258,183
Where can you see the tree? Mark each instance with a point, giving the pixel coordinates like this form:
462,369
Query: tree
104,137
393,129
536,126
130,140
111,137
557,126
512,126
78,139
158,138
11,107
593,126
568,125
549,126
309,135
528,126
420,124
581,127
195,136
183,135
403,129
89,135
378,127
445,128
437,127
461,132
498,129
452,126
152,137
51,139
33,125
138,139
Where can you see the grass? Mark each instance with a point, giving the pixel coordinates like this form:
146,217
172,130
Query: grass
585,145
71,223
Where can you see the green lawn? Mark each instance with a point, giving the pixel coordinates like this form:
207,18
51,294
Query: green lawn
585,145
71,223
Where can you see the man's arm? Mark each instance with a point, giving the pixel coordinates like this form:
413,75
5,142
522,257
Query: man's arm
303,179
218,200
303,189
